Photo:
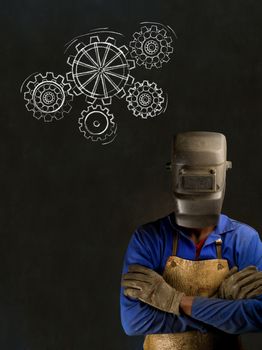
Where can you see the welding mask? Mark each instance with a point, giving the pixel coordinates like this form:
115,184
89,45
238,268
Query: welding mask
198,166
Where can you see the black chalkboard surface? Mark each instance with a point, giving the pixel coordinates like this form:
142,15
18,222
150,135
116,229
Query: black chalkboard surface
70,203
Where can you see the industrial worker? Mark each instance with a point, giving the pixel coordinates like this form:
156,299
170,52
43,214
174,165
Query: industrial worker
192,280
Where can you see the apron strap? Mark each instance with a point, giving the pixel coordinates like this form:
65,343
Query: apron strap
219,248
175,240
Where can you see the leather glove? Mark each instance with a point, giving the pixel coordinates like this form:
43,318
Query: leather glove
244,284
148,286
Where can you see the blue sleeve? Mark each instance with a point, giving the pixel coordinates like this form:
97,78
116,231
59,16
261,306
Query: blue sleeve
230,316
248,248
146,248
235,316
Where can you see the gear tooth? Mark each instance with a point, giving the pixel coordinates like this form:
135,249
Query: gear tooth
95,138
124,49
94,39
148,65
80,120
111,40
30,85
69,76
106,111
139,62
131,64
156,112
150,109
66,87
166,59
29,106
130,107
136,35
169,40
27,96
107,101
44,77
132,44
111,118
60,80
58,116
154,28
39,78
48,118
121,93
158,65
91,108
76,91
133,54
49,76
90,100
67,108
130,80
154,85
128,98
84,114
80,46
144,29
82,128
85,135
37,115
70,60
162,32
170,49
70,97
80,123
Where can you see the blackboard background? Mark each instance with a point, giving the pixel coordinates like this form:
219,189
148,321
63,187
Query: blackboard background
68,206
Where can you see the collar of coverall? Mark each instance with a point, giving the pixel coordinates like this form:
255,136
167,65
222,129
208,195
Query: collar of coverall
224,225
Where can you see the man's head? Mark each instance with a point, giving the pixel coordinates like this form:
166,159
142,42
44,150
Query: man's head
199,168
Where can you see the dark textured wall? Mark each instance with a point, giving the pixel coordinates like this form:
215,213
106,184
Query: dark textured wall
69,207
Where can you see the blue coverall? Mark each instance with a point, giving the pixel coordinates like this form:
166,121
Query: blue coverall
151,245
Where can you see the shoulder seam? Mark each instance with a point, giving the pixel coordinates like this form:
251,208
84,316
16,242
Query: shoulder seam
245,224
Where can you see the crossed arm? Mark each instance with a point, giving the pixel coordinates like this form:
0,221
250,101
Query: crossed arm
231,316
197,313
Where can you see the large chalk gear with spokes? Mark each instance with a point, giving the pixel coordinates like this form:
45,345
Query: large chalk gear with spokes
100,70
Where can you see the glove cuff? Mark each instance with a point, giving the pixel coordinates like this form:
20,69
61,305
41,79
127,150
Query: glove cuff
175,304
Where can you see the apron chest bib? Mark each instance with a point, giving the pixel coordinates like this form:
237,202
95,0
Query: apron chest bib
194,278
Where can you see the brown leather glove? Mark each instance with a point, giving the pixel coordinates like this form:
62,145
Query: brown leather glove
244,284
148,286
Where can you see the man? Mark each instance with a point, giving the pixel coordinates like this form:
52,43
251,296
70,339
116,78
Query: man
191,280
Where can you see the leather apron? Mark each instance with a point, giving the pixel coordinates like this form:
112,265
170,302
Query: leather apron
194,278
